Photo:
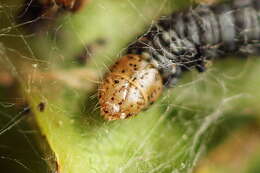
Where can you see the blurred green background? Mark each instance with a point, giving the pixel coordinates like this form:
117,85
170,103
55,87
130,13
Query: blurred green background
51,61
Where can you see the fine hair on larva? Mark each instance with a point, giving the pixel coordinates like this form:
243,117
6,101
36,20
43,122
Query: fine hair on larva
175,44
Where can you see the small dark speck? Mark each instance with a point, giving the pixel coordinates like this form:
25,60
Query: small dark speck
148,60
89,50
101,41
135,69
41,106
116,81
123,71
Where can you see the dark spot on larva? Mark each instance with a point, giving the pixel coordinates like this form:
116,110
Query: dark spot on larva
128,115
112,98
135,65
131,64
123,71
134,79
41,106
120,103
132,105
116,81
140,60
130,57
135,69
106,112
140,103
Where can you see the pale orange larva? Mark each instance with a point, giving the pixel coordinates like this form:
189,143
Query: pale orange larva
132,84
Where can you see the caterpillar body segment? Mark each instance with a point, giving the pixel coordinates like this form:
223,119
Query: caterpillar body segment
191,38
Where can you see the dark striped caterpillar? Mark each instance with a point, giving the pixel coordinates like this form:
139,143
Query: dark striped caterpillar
175,44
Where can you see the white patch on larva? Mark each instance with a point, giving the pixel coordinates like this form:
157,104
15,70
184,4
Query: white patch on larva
125,93
122,116
116,107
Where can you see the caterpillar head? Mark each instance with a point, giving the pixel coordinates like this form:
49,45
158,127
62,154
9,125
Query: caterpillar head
132,85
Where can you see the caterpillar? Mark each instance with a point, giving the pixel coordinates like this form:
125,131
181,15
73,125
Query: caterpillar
175,44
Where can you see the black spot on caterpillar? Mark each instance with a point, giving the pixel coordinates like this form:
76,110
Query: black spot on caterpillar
175,44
